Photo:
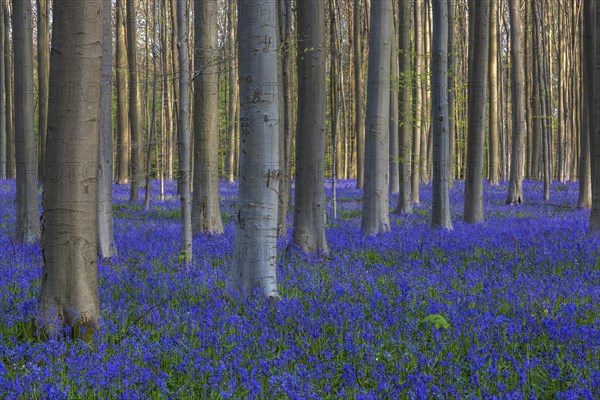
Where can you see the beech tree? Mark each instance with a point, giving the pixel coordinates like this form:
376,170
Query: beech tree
519,125
478,76
69,294
27,227
43,56
375,218
310,204
183,178
135,117
206,211
440,209
255,248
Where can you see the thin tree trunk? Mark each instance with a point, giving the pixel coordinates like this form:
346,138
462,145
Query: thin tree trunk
451,89
588,127
135,117
515,189
359,124
206,211
418,104
69,294
183,178
3,131
233,97
152,128
106,236
8,68
405,115
394,173
43,55
122,108
255,248
494,155
27,227
375,218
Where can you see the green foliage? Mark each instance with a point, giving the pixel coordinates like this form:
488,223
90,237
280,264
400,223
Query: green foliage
437,320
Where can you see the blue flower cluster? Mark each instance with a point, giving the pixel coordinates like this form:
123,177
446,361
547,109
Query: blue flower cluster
506,309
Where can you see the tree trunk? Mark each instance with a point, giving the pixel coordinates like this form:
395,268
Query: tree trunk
123,134
69,294
27,228
594,224
394,122
206,209
451,89
135,117
405,118
375,218
515,188
494,154
255,249
183,178
3,131
418,104
440,208
106,236
478,78
152,122
309,204
359,124
233,95
8,87
588,126
43,55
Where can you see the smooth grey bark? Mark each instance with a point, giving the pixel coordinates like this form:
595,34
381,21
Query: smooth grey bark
286,124
206,209
27,227
451,88
594,224
494,118
152,122
106,237
232,105
375,218
3,130
440,208
255,249
418,104
8,87
69,294
393,163
310,204
588,127
359,125
478,79
122,107
183,178
43,56
135,115
406,86
519,123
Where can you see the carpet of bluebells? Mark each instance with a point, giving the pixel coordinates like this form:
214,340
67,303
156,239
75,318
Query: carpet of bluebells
506,309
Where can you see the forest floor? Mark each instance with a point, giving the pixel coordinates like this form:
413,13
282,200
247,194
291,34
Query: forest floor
509,308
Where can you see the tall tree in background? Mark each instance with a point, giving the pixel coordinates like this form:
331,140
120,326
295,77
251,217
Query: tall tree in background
3,130
27,228
478,76
359,125
394,122
135,117
106,236
375,217
519,123
594,224
232,110
206,211
406,83
440,209
8,89
494,129
183,178
122,134
588,123
418,105
255,249
43,56
69,294
310,204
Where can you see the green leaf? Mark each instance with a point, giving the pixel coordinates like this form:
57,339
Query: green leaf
438,321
